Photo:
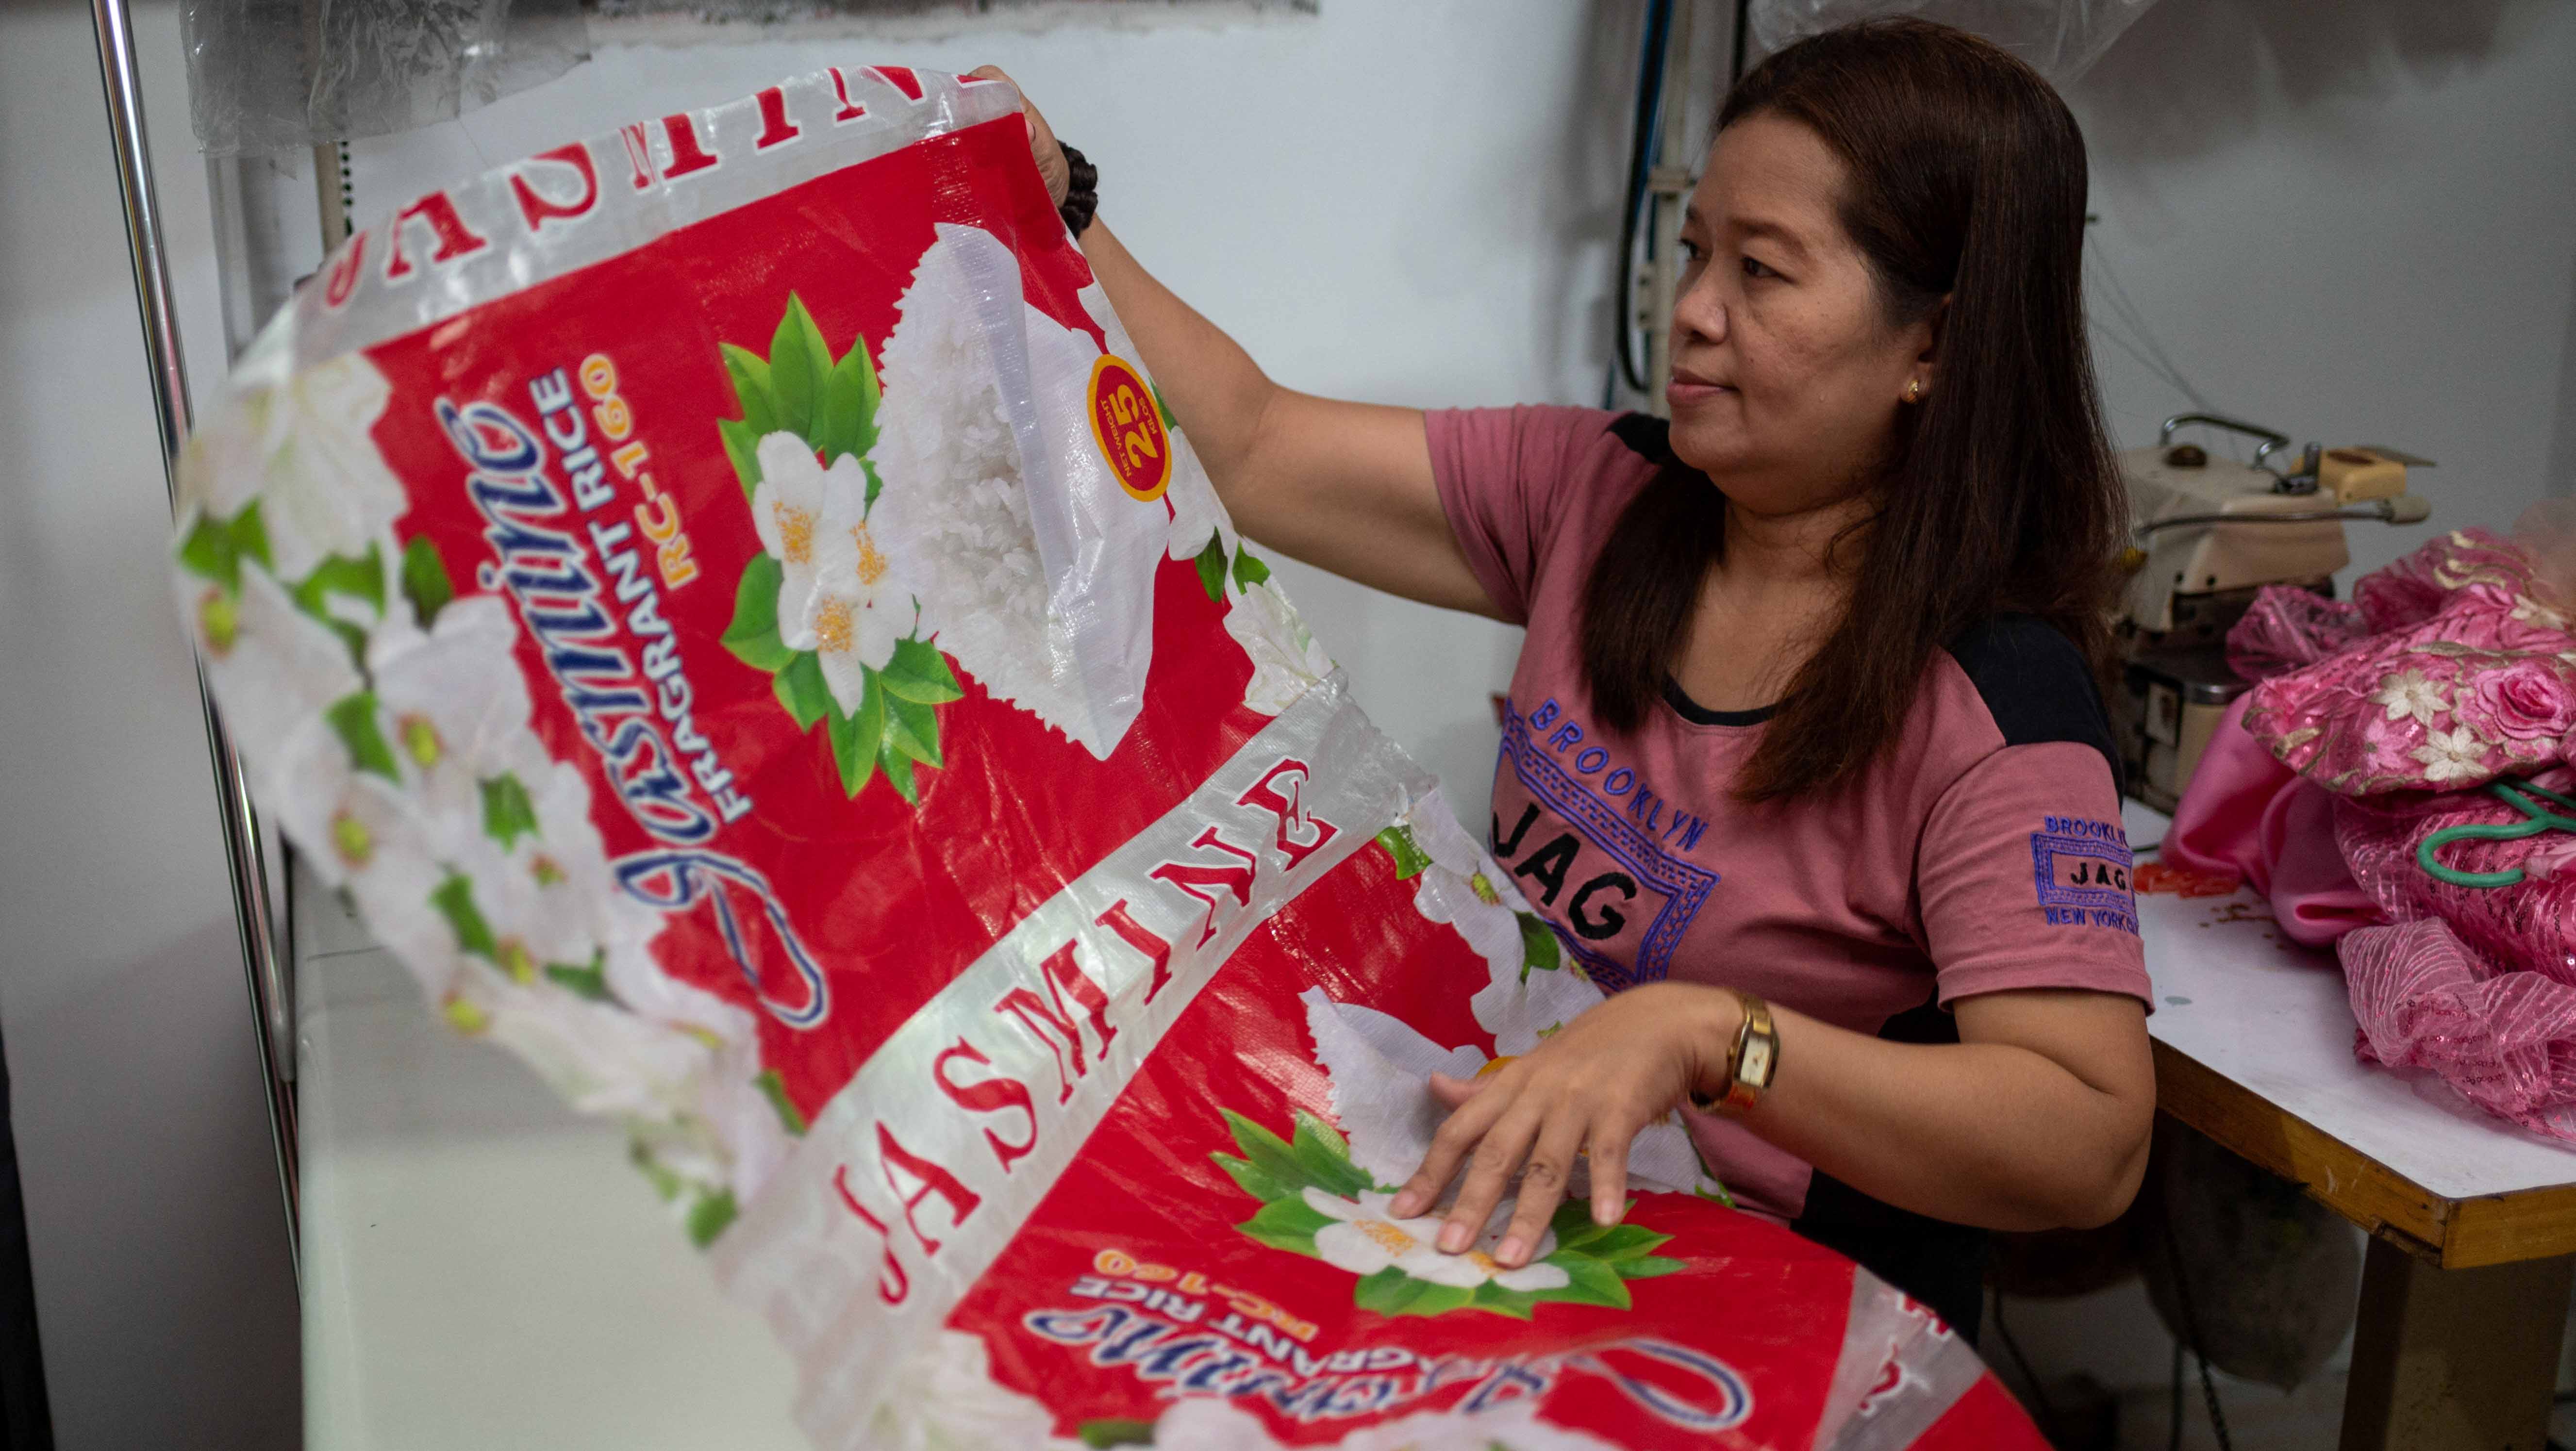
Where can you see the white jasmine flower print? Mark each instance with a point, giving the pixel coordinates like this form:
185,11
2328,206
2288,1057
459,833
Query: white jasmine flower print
1436,830
569,863
1380,1068
299,443
837,593
1206,1423
1286,661
536,916
798,505
1465,890
362,832
2408,693
367,835
273,667
1519,1008
1198,518
945,1399
1472,905
2456,755
1366,1239
599,1058
456,707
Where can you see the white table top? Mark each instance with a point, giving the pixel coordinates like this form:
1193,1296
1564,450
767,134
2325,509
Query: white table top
2236,996
482,1268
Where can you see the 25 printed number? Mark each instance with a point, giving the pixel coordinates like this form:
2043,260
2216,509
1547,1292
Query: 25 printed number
1129,430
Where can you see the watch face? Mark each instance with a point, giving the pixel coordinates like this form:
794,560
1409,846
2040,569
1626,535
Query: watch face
1757,1063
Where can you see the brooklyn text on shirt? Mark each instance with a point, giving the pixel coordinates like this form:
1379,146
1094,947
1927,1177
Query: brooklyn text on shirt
1597,848
2080,869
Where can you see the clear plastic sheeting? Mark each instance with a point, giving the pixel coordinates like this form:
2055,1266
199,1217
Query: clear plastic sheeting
937,14
2059,38
266,76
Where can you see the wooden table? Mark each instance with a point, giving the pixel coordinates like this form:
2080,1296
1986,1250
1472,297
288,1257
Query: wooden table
2464,1291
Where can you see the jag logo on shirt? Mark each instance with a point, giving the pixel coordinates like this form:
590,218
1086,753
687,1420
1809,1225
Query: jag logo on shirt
1596,848
2080,868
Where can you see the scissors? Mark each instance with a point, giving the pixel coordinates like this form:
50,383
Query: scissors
2536,819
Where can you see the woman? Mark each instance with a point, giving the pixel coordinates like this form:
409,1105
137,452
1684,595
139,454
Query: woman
1804,728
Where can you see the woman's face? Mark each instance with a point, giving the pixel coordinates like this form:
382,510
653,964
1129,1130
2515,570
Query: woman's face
1787,375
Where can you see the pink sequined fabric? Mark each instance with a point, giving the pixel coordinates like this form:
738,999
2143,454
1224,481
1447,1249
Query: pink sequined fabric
2287,628
2531,926
2423,1000
2473,677
2450,669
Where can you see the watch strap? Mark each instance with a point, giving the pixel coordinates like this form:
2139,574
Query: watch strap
1751,1060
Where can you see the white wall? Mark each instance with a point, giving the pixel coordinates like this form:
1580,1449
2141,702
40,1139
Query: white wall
2353,221
164,1294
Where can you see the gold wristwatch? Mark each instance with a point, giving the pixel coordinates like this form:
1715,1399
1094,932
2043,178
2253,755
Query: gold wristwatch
1750,1061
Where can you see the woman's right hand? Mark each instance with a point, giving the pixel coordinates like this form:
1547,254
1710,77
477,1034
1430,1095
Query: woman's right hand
1042,143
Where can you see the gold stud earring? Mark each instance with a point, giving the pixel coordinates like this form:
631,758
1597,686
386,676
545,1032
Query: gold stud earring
1914,390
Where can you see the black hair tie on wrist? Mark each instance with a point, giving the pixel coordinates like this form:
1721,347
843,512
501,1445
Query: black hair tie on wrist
1081,192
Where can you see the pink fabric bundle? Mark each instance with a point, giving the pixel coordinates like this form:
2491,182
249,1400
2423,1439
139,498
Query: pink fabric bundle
2288,628
2375,725
2530,926
2476,983
2247,815
2502,1039
2482,686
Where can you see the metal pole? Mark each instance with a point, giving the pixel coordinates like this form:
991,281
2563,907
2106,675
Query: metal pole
252,912
1668,183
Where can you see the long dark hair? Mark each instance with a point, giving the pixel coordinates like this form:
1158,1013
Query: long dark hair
1967,181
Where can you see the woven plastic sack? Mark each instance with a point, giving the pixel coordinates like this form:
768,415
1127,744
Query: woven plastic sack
723,600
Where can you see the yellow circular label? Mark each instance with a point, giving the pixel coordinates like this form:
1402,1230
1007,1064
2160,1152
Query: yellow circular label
1129,429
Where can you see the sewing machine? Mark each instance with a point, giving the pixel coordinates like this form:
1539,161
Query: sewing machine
2207,533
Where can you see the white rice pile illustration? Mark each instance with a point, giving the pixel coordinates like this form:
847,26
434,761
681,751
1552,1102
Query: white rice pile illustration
955,501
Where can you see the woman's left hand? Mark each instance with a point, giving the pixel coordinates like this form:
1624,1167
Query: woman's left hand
1589,1088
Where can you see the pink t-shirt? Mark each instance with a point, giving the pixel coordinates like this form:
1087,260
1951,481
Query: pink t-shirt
1982,852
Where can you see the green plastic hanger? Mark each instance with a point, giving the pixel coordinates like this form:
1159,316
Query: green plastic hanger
2537,819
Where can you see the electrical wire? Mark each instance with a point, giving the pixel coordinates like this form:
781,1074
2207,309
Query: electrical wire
2154,370
1641,145
2117,304
2047,1412
2191,1333
2116,298
2155,364
2173,1404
